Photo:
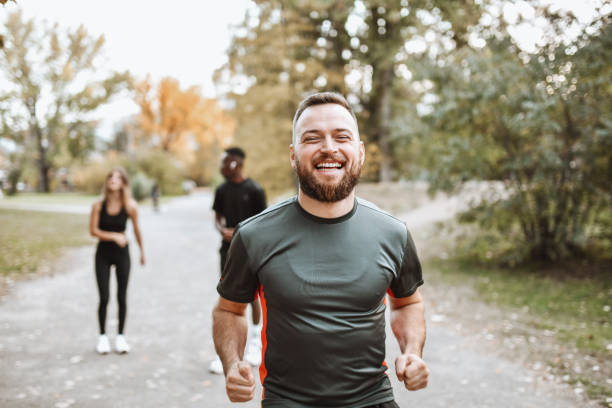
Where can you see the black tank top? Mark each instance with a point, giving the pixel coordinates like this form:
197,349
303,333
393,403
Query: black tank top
112,223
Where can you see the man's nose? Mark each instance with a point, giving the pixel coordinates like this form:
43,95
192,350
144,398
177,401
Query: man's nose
329,144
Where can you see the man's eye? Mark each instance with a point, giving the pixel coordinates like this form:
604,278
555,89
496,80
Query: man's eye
310,139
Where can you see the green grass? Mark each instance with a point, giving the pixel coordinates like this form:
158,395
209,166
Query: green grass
577,309
29,238
66,198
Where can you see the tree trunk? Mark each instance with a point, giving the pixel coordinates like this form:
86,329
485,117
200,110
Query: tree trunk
383,118
41,162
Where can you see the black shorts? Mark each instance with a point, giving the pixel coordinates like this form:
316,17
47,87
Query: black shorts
390,404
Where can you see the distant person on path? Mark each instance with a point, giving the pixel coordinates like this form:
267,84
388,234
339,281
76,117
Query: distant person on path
155,193
107,223
321,264
237,199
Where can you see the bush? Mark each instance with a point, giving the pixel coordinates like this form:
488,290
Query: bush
144,169
90,177
162,168
141,186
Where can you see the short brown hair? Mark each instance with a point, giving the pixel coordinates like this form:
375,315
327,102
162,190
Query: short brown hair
321,98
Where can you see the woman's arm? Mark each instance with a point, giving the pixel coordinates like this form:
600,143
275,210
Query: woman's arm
102,235
133,213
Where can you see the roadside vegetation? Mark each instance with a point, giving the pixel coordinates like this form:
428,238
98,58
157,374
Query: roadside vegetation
31,239
564,307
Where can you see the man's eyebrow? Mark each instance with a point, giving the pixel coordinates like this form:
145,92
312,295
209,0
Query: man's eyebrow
317,131
343,130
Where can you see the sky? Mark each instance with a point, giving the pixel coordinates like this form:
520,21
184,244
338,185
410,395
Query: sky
184,39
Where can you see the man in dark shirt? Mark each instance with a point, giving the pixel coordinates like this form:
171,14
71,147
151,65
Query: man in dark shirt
321,264
237,199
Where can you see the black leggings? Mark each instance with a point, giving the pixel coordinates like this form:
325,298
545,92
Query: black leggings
108,254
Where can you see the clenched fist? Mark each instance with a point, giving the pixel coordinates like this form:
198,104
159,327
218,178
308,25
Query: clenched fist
239,382
412,371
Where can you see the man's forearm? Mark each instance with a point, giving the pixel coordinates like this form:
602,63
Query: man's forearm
408,324
229,334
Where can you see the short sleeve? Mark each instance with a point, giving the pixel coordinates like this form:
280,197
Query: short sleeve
238,282
218,202
410,275
259,201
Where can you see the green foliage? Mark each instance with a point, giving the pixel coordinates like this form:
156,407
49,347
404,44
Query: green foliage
287,50
538,123
90,177
141,186
13,178
54,82
145,168
161,168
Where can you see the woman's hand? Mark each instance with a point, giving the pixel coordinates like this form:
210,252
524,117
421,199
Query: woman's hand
120,239
142,258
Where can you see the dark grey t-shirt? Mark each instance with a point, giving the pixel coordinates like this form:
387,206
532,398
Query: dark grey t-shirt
322,284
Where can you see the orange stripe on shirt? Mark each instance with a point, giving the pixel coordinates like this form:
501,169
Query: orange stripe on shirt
263,371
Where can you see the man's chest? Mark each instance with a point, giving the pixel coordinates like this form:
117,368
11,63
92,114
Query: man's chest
328,276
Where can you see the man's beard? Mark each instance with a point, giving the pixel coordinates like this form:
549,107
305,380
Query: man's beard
328,192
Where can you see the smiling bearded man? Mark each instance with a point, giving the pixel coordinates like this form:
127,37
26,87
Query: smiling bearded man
321,264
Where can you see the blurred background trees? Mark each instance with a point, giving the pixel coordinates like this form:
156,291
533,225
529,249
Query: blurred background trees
183,123
537,122
53,87
53,84
445,92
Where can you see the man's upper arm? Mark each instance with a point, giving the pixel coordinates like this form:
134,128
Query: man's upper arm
232,307
238,282
409,276
397,303
218,202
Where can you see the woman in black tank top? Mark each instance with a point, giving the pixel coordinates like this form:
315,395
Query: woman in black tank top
107,223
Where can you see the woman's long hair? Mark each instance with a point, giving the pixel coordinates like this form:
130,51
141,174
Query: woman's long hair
125,188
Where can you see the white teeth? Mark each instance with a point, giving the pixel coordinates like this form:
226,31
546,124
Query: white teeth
329,165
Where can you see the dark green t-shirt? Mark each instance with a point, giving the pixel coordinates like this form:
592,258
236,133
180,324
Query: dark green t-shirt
322,284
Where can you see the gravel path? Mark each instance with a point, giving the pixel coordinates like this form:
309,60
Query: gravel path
48,333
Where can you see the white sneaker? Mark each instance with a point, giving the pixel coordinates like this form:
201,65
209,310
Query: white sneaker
103,346
252,354
121,345
216,367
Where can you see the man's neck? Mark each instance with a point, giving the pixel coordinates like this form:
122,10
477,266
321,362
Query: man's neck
238,178
327,210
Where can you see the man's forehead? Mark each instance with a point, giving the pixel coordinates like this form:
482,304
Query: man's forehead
325,115
225,156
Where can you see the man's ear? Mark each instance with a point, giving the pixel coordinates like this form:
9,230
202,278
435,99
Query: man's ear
292,156
361,152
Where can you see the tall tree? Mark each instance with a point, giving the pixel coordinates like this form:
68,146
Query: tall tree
183,123
352,46
540,124
47,108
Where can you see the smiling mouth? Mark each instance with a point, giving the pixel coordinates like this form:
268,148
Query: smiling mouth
329,166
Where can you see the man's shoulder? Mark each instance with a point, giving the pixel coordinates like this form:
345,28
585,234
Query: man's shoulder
381,216
269,215
253,185
221,187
